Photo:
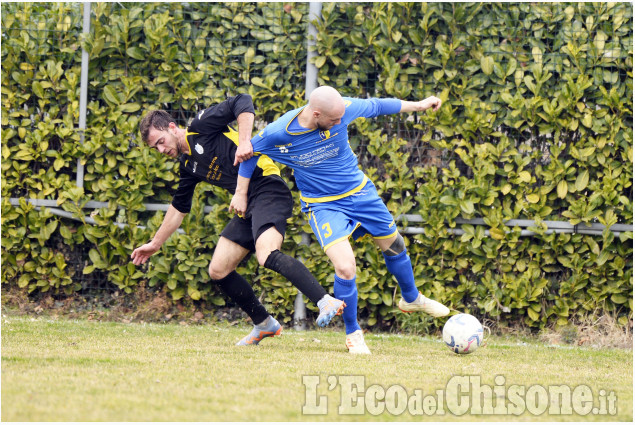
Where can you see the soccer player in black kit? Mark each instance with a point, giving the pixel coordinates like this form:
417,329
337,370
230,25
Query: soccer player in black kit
210,151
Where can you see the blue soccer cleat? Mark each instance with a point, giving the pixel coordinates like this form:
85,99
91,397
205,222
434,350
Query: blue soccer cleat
329,308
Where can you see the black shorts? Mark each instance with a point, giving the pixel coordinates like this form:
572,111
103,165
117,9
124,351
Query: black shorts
270,205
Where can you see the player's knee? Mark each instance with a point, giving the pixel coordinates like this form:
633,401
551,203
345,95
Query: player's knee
262,255
267,243
346,270
216,272
397,247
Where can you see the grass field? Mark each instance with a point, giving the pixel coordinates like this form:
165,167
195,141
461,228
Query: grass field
63,370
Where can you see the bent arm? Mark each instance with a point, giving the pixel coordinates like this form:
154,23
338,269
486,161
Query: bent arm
245,126
246,170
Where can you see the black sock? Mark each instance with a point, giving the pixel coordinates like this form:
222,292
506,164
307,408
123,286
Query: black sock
297,274
238,289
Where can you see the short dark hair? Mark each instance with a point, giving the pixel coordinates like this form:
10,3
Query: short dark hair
158,119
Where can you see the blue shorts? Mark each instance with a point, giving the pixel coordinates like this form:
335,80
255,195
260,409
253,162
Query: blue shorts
358,214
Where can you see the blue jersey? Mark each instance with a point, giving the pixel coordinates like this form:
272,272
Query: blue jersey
324,164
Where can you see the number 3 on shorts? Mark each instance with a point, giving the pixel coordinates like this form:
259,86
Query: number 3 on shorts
328,232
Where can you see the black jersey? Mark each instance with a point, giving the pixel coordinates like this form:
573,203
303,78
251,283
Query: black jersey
212,147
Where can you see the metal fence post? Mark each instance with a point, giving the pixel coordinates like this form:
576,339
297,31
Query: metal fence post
315,12
311,83
83,96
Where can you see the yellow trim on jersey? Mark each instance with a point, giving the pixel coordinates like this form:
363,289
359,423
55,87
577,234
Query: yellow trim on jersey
342,238
264,162
187,134
386,237
301,132
335,197
316,226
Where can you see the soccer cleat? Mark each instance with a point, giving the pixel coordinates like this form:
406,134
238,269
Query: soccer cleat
356,344
259,332
329,308
432,307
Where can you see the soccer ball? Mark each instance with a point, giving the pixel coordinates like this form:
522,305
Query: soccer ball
463,333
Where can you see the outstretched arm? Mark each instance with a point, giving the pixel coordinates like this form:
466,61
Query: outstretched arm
389,106
171,222
423,105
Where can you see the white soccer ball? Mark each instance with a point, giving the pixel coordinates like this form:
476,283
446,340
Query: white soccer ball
463,333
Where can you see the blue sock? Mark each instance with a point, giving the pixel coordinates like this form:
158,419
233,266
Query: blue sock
346,290
401,267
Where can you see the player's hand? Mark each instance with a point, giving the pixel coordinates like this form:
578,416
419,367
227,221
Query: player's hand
238,204
141,254
244,151
431,102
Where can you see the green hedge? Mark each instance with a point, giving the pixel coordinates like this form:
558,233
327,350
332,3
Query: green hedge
536,124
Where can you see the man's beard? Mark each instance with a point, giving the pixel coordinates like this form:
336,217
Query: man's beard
178,146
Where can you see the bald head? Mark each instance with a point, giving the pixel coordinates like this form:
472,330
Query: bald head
325,99
326,107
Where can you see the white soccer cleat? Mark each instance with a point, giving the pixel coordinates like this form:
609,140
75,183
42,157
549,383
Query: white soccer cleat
432,307
356,344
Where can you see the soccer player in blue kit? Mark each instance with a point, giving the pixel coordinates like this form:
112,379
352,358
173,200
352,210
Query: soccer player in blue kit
209,152
338,199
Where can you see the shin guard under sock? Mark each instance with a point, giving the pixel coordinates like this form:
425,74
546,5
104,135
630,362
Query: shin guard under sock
238,289
297,274
401,267
346,290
